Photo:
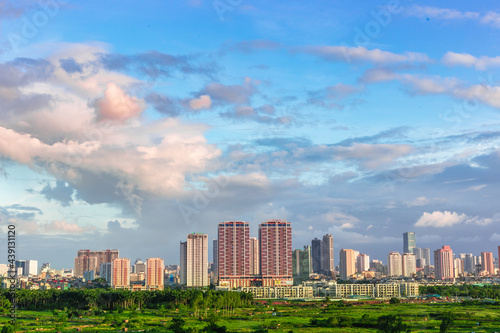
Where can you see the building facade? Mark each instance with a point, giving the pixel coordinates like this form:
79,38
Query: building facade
120,273
254,256
487,262
301,264
347,263
155,271
316,255
394,264
194,261
327,264
443,264
409,264
275,239
234,254
87,260
408,242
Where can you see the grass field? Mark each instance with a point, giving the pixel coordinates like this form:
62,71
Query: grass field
291,317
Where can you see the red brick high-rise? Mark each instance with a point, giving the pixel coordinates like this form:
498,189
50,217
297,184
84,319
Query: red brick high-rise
234,254
275,238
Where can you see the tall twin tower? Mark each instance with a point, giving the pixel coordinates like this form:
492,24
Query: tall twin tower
241,260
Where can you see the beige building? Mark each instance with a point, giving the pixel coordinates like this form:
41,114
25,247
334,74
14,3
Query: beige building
409,264
347,263
120,273
194,261
155,273
254,256
394,264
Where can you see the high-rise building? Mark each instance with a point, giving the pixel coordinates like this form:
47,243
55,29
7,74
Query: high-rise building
234,254
426,254
215,266
105,271
409,264
31,267
487,262
139,267
194,261
275,239
395,264
316,255
327,266
301,264
120,273
87,260
458,267
443,264
362,263
155,270
468,262
347,263
408,242
254,256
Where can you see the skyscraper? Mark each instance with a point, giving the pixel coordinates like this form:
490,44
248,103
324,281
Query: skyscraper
458,267
215,266
394,264
487,262
155,271
408,242
426,254
409,264
443,262
254,256
120,273
194,261
275,238
362,263
105,271
468,262
347,263
302,264
327,266
316,255
234,254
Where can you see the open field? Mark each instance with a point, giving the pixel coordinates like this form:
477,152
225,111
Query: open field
292,316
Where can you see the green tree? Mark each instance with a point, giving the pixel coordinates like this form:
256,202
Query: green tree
177,325
391,324
447,322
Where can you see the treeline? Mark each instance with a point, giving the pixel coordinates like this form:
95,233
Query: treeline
466,290
106,299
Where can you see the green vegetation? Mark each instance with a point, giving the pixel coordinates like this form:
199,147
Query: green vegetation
473,291
195,311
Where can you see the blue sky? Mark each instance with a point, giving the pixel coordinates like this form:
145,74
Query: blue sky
130,125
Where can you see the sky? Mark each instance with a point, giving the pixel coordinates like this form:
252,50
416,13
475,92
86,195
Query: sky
127,125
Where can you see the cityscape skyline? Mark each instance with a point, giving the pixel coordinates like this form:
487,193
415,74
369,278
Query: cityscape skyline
130,127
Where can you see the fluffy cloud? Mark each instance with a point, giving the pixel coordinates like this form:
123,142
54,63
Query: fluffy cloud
117,105
491,18
438,219
202,102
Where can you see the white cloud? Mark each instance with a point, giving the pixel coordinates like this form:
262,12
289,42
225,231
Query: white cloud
491,18
362,54
417,202
440,13
438,219
464,59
